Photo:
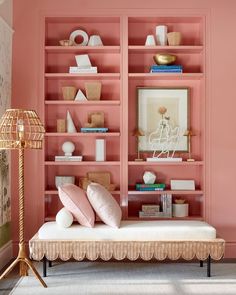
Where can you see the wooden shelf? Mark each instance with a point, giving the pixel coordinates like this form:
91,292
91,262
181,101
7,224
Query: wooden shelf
173,192
83,134
173,49
100,76
86,103
55,192
199,218
184,163
74,49
169,76
81,163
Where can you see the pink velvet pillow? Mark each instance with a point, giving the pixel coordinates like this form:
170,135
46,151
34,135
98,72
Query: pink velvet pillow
75,200
104,204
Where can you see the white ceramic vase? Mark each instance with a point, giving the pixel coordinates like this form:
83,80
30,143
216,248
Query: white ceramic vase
161,35
149,177
180,210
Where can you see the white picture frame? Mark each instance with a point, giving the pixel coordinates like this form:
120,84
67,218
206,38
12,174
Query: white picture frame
176,102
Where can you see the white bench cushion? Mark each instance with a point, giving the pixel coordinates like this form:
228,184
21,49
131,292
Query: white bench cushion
131,231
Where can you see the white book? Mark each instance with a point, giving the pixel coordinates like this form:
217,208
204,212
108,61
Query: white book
182,185
150,208
156,159
150,215
69,158
78,70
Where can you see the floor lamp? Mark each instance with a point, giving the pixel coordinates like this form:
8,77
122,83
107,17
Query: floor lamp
21,129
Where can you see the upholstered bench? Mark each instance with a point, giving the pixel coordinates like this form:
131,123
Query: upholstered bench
134,240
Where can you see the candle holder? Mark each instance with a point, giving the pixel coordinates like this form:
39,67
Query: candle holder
137,133
189,133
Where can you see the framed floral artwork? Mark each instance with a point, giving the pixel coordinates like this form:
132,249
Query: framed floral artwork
163,117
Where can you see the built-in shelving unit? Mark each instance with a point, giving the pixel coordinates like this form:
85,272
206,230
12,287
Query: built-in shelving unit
123,64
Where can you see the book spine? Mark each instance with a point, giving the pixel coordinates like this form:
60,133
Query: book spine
149,189
158,185
145,207
166,67
167,71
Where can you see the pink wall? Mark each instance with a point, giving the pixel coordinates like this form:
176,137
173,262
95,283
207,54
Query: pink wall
221,142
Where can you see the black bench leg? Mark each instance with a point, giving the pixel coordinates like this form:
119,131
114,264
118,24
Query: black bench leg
209,266
201,263
49,263
44,267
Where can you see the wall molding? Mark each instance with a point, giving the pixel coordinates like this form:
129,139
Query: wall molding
5,254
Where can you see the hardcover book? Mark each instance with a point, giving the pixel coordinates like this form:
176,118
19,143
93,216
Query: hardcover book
93,130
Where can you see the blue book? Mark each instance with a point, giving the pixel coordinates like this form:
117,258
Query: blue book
149,189
166,71
86,130
166,67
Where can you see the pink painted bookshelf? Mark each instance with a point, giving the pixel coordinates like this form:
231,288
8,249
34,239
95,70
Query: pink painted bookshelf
123,64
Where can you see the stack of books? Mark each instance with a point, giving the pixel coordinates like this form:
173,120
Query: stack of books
69,158
150,187
149,211
166,69
87,130
83,70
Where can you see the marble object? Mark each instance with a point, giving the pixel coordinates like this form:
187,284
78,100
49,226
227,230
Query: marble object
80,33
150,40
149,177
95,40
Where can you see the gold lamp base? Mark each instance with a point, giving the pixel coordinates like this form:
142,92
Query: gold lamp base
21,129
24,264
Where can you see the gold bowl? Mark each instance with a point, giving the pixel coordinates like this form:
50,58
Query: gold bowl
164,59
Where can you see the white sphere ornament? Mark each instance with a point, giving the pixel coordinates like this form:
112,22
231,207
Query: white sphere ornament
64,218
68,148
149,177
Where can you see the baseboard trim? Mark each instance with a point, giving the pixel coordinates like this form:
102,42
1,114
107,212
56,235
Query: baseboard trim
5,254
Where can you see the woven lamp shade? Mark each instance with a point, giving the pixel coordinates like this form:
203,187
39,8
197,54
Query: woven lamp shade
21,129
